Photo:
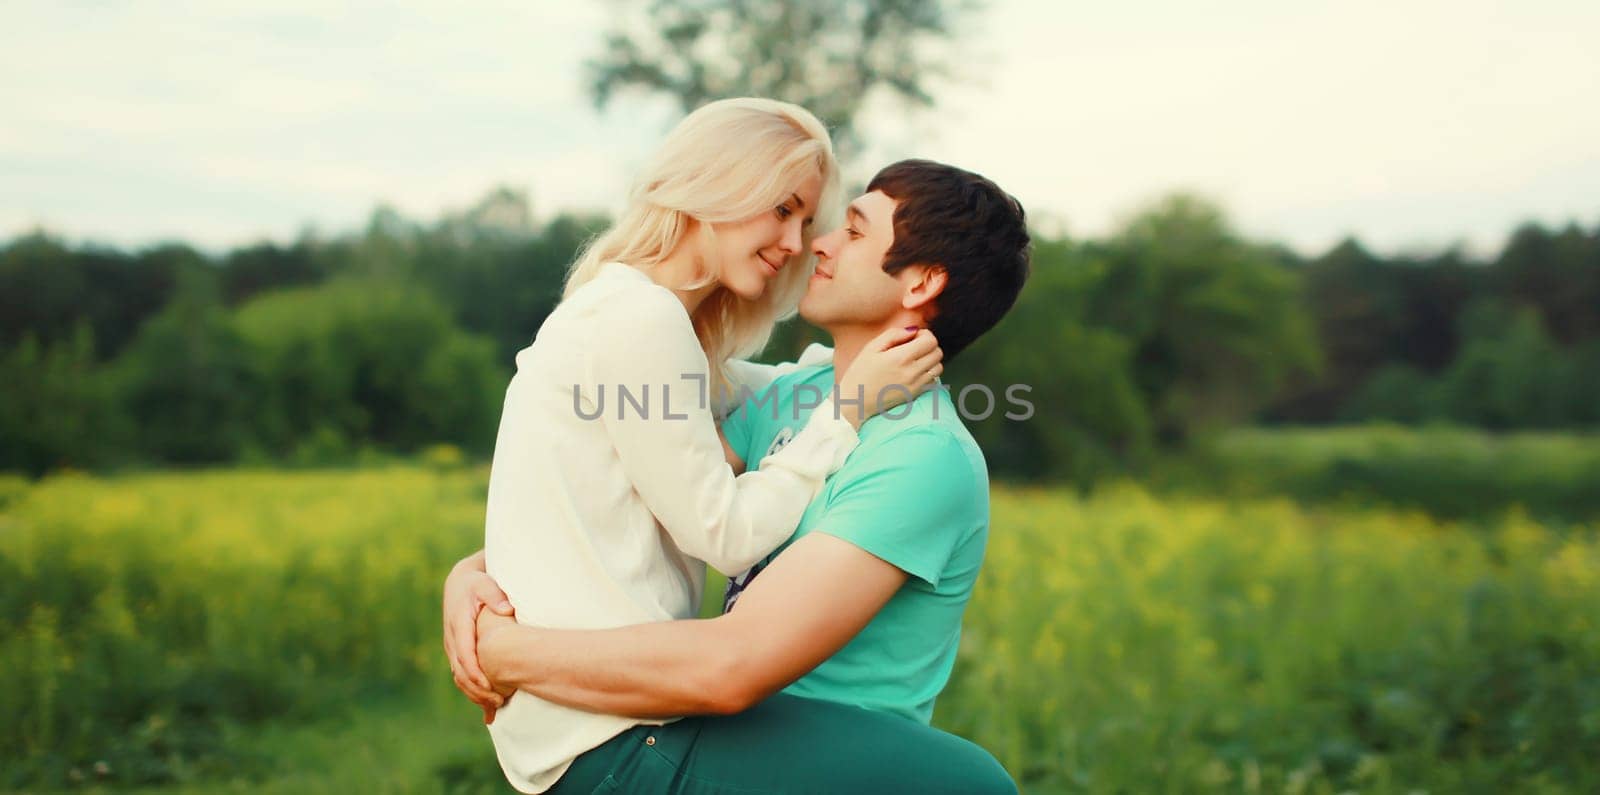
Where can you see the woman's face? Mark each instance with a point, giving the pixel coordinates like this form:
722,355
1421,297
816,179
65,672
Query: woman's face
754,250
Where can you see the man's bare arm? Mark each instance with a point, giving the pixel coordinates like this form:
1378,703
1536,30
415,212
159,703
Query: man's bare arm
807,605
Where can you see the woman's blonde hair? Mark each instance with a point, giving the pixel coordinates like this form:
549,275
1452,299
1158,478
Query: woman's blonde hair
727,161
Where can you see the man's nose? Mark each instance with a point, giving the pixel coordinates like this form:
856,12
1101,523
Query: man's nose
822,246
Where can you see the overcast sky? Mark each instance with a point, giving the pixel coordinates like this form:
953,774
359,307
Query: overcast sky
1411,124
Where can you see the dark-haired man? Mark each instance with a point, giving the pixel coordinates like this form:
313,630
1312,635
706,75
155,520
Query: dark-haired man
857,617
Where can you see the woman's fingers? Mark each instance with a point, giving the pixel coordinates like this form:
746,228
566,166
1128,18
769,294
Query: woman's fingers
918,346
925,363
892,337
920,371
928,379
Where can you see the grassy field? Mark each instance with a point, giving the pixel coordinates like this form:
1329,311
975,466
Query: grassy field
1450,472
278,631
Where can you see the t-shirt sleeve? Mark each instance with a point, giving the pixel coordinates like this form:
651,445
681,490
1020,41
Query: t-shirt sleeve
912,501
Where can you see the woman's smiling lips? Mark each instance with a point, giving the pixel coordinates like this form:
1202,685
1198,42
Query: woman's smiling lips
768,263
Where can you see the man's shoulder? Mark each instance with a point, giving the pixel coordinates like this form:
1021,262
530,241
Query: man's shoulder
916,497
936,453
932,423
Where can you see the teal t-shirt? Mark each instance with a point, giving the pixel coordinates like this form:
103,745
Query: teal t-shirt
915,493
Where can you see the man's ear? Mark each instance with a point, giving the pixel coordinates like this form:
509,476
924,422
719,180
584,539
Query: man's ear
926,283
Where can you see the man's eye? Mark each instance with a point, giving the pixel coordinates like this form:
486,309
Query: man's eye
853,233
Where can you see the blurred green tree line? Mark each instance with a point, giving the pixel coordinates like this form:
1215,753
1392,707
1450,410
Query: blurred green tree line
403,334
385,340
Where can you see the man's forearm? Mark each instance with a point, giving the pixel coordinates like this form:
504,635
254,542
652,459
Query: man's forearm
805,607
657,670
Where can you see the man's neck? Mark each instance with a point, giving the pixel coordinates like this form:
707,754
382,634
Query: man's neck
848,341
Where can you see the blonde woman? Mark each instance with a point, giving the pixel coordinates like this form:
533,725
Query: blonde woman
610,489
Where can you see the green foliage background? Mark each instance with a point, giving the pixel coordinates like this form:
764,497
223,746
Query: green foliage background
1396,607
1172,328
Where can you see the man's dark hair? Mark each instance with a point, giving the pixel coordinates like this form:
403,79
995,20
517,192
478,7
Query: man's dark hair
962,222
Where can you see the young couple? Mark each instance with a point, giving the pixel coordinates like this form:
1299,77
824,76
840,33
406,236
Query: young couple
853,527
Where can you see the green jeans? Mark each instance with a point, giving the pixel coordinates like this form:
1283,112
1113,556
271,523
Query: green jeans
787,744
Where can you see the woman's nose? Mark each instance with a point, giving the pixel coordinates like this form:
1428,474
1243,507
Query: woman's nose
791,240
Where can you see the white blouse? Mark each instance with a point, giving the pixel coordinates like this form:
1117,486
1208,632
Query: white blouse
609,488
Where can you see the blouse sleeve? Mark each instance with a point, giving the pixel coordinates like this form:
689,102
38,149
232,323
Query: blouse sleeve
752,378
666,439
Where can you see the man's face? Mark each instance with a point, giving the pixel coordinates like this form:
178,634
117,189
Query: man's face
849,287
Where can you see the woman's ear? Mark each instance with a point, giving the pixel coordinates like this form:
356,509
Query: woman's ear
927,282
